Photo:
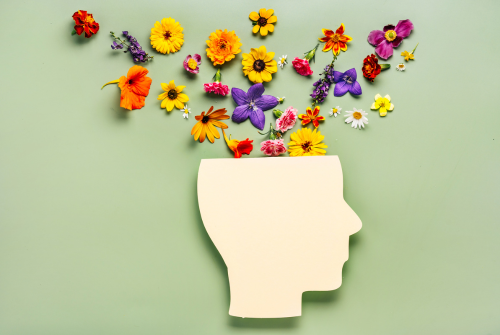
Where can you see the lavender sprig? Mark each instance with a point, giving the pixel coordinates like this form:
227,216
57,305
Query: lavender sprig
322,86
138,55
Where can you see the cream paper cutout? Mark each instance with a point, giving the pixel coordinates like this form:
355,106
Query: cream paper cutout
281,225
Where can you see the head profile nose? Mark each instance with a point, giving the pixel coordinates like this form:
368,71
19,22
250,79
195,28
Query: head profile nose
353,221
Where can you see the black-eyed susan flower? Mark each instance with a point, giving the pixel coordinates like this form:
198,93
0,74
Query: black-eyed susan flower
259,64
172,96
205,127
263,21
167,36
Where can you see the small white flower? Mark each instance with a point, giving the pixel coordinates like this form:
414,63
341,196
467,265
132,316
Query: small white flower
280,100
335,111
400,67
283,61
186,111
357,117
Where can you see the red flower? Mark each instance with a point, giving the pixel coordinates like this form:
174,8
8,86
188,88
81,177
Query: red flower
371,67
85,22
302,66
244,147
311,116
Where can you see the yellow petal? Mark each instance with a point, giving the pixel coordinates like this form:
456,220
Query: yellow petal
169,105
263,31
374,106
272,19
183,97
262,12
266,76
163,96
178,104
254,53
378,96
255,77
269,27
272,66
391,107
171,85
388,98
262,51
268,13
254,16
255,29
180,88
383,111
269,57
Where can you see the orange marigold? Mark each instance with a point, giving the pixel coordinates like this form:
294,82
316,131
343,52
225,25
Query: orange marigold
222,46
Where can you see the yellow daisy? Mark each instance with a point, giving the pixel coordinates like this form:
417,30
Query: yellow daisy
263,21
306,143
167,36
172,96
258,65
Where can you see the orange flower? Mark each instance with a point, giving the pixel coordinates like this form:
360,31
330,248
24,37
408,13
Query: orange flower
85,22
222,46
238,147
335,40
207,122
312,116
135,87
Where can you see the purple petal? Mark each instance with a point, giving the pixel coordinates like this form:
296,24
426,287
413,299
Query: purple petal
197,58
389,27
258,118
239,96
355,88
341,88
404,28
384,50
240,114
255,91
352,73
376,37
397,41
266,102
337,76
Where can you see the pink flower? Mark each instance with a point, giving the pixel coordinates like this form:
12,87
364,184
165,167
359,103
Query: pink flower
287,120
191,64
391,37
273,147
302,66
216,88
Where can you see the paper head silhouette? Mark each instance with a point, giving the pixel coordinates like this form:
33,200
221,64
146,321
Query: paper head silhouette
280,224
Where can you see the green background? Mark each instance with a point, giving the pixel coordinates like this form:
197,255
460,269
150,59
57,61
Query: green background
100,231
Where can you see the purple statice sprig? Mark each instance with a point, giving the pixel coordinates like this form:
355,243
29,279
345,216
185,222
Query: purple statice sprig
135,49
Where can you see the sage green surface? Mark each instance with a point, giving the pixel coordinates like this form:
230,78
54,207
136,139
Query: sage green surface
100,231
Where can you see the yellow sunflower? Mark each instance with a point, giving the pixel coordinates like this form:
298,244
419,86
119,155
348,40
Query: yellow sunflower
258,65
172,96
222,46
263,21
306,143
167,36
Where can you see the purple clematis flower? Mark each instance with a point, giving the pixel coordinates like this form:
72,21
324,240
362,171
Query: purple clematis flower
345,82
252,105
391,37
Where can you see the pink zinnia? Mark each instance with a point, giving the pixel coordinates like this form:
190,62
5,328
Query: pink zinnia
287,120
191,64
302,66
273,147
217,88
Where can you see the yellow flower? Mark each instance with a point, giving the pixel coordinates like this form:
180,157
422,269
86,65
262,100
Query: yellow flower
407,55
172,96
307,143
259,64
263,21
167,36
222,46
382,104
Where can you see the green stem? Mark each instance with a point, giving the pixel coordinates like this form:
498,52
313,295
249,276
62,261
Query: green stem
310,55
217,77
415,48
385,66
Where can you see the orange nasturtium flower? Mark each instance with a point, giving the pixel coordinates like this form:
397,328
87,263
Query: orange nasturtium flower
335,40
205,127
238,147
312,116
222,46
135,87
85,22
263,21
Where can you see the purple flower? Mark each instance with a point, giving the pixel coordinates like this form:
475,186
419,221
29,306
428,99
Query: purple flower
192,64
133,47
346,82
116,46
390,38
252,105
322,86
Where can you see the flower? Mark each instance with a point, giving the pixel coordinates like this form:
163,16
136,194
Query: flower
135,49
252,105
302,65
116,46
322,86
391,37
357,117
371,67
335,111
134,87
311,116
282,62
382,104
206,124
192,64
280,100
216,87
400,67
335,40
172,96
238,147
409,55
259,64
222,46
167,36
287,120
273,147
345,82
306,143
85,22
186,111
263,21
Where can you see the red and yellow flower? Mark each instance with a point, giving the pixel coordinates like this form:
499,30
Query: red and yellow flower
335,40
238,147
311,116
85,22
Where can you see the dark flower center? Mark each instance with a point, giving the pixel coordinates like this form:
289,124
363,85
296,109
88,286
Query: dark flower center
259,65
348,80
306,146
205,119
172,94
262,21
130,82
167,34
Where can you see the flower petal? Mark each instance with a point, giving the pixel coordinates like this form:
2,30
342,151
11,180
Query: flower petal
258,118
378,96
391,107
376,37
272,19
240,114
340,30
355,88
404,28
255,29
239,96
384,50
263,31
254,16
388,98
266,102
266,76
397,41
341,88
389,27
352,73
337,76
269,27
255,91
327,32
374,106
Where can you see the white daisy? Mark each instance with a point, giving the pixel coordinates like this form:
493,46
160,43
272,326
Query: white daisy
280,100
400,67
282,61
335,111
357,117
186,111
